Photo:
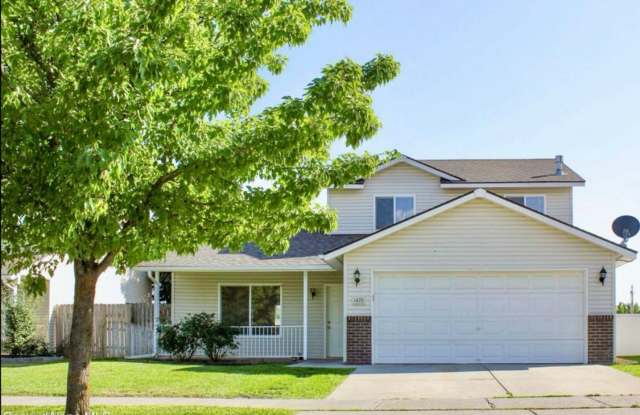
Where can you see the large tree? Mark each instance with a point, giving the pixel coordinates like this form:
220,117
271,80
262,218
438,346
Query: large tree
127,132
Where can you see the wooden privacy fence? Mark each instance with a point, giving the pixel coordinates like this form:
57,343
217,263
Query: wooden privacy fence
119,330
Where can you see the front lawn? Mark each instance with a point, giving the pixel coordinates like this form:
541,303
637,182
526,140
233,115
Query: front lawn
153,378
144,410
629,364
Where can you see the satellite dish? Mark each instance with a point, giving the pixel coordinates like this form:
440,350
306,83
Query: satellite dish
625,227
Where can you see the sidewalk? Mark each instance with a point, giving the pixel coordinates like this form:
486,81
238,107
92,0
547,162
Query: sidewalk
577,404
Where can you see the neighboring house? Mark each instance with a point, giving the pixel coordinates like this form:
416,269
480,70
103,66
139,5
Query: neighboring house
433,261
111,289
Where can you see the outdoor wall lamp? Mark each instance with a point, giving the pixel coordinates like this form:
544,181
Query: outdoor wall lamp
356,276
313,293
603,275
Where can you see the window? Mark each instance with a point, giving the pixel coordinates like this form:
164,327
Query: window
392,209
533,202
253,306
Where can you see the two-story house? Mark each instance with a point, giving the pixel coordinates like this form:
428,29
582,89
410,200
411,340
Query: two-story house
433,261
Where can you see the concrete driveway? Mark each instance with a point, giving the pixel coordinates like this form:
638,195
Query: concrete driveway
483,381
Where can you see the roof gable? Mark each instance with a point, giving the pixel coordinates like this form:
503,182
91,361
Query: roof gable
419,165
625,253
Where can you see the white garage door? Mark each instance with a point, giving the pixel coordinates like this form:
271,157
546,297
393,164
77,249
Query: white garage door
490,318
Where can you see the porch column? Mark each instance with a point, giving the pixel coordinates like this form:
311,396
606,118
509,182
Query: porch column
155,278
305,312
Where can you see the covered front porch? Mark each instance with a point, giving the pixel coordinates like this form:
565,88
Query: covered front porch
279,314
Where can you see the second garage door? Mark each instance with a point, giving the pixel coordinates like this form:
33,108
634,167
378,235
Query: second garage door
470,318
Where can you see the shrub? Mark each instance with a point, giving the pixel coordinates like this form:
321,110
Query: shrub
628,309
179,343
20,332
198,331
216,338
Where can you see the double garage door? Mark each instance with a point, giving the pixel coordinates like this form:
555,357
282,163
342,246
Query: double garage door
488,318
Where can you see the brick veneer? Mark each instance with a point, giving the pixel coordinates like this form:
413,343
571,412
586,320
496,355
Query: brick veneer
359,340
601,339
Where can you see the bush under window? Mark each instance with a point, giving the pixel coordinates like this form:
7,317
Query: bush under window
198,331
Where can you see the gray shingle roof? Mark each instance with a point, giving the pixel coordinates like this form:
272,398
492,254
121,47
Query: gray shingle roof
504,170
304,250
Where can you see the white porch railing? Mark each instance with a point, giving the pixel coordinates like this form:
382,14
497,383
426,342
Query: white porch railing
269,341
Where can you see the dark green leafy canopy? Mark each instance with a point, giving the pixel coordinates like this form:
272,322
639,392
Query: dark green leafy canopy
127,131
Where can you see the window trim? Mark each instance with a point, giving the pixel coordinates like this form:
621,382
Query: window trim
525,196
393,196
252,284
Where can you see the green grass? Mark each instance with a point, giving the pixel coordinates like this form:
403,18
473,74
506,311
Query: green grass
153,378
629,364
143,410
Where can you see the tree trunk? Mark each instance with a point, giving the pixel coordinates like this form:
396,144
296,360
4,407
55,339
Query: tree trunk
81,341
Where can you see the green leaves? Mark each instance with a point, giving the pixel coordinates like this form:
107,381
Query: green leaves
126,127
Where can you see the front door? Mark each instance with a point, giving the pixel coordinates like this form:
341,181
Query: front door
334,320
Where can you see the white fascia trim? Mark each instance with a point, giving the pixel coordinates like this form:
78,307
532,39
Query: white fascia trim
509,184
352,186
418,165
624,253
336,264
240,268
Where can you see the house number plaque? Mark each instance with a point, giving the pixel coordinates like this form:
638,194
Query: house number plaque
358,301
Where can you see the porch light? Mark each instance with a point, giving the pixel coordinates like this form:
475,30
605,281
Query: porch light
603,275
356,276
313,293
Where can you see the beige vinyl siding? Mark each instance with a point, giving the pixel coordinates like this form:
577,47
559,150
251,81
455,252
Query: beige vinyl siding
558,200
481,236
198,292
39,307
355,207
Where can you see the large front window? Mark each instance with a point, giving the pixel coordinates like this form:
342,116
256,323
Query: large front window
254,307
392,209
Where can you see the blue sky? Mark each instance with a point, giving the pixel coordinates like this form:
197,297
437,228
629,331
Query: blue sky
499,79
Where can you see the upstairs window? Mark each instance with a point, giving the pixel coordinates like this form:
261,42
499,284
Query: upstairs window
533,202
392,209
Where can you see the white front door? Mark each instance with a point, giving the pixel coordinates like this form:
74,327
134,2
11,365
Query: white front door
333,319
518,317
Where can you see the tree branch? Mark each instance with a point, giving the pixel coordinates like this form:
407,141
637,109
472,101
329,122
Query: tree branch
107,260
145,201
33,52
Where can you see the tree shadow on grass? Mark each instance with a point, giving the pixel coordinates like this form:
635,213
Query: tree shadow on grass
31,364
264,369
7,363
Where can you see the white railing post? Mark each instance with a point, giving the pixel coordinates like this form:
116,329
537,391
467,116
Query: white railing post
268,341
305,312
